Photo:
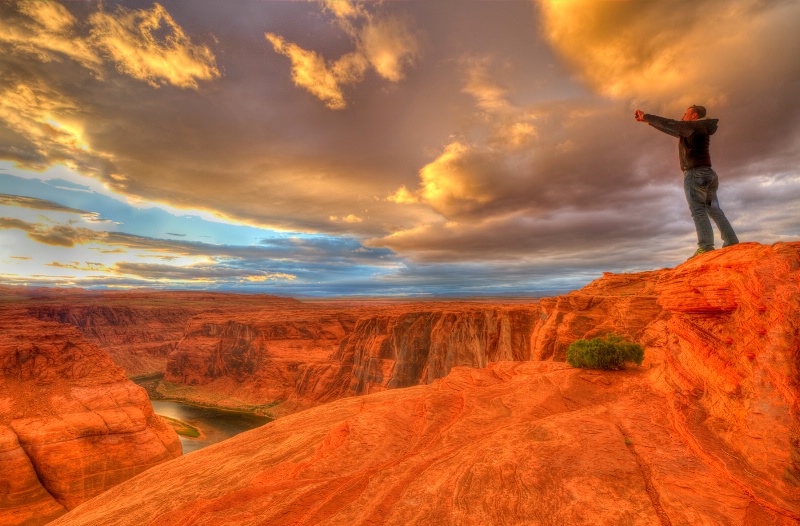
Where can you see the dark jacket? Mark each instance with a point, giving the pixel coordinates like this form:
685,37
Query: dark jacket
693,138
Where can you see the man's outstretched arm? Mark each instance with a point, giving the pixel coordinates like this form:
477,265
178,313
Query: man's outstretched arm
668,126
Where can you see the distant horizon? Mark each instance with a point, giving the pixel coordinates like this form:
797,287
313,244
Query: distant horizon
382,149
65,290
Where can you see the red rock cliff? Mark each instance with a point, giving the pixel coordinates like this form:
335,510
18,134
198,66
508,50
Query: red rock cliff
313,353
258,357
138,329
138,339
71,424
706,432
417,347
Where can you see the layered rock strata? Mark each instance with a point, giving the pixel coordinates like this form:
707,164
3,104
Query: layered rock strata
401,350
71,424
258,357
138,329
316,353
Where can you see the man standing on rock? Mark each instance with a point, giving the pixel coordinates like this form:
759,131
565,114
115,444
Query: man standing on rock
700,181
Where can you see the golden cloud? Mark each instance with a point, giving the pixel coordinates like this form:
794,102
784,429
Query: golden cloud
510,126
130,38
660,51
343,9
31,108
62,235
403,196
387,44
56,235
271,277
455,184
86,266
349,218
310,71
469,177
482,86
390,47
52,125
11,222
145,44
47,31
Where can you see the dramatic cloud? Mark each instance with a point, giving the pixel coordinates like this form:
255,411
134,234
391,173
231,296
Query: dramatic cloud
45,31
146,44
385,43
150,46
49,124
490,147
272,261
568,177
675,52
324,81
56,235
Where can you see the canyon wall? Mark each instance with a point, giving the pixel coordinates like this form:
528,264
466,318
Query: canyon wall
705,432
392,350
250,359
138,338
293,358
71,424
138,329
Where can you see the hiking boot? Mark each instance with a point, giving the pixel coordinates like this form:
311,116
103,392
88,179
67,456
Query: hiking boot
700,251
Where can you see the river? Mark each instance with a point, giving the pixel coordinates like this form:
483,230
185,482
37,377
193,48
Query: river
215,424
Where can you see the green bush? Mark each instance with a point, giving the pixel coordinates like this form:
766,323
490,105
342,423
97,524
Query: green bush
611,353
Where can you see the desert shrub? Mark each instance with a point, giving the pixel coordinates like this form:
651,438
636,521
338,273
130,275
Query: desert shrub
609,353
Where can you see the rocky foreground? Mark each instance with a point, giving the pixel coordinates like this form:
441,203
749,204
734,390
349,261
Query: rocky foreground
704,433
71,423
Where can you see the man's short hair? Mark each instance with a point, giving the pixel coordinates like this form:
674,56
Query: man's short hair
700,110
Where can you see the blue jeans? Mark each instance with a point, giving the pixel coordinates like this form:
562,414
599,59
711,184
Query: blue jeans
700,185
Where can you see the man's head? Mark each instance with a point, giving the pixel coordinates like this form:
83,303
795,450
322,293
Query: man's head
693,113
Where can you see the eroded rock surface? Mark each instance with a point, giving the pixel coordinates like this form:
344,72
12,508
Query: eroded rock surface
704,433
71,424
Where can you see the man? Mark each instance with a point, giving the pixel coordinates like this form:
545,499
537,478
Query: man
700,181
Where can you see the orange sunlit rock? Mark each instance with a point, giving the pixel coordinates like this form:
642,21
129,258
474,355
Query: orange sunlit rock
704,432
71,424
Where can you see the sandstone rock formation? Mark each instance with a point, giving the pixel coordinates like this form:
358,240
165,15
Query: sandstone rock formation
257,357
138,329
393,350
311,353
71,424
704,433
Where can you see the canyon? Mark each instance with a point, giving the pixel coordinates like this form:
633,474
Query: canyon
441,412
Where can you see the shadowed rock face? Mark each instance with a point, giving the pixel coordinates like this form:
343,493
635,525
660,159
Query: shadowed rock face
71,424
705,432
401,350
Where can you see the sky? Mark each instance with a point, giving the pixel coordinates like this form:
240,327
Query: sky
395,148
